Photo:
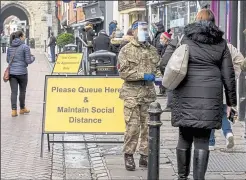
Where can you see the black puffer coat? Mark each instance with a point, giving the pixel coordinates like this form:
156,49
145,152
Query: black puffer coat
198,100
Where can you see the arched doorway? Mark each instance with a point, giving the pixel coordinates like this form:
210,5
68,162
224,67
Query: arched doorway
13,9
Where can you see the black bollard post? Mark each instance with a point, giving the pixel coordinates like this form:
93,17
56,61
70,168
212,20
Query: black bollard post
154,123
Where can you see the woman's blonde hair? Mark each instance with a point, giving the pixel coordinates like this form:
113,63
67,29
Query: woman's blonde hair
205,14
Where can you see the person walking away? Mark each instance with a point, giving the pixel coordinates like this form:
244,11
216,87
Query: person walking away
3,43
52,45
237,60
102,41
19,57
137,92
157,29
127,38
90,34
116,42
197,105
112,27
165,39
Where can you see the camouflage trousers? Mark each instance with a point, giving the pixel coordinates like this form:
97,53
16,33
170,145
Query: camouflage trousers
136,119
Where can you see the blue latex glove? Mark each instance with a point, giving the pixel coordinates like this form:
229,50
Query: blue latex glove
149,77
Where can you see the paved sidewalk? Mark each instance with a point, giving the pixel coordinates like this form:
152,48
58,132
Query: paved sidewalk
20,136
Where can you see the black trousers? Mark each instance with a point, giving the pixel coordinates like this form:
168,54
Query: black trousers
200,137
15,82
4,47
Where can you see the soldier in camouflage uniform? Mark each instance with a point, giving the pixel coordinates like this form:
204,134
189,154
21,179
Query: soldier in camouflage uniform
138,61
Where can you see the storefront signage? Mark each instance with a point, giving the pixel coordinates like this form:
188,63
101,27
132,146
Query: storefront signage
92,11
83,104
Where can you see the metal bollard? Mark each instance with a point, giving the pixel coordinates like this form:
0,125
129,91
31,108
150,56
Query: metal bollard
154,124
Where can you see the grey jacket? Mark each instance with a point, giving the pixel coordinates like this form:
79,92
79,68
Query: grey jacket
21,59
237,60
3,39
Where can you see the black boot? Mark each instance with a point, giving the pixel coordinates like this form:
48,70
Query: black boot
129,162
143,161
183,160
200,163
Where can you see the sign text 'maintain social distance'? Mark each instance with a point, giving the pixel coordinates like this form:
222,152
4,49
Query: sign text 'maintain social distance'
84,90
85,110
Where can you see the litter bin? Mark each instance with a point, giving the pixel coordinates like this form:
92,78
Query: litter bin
70,48
103,62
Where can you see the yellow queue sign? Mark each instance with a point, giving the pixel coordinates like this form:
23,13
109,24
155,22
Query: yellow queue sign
68,63
83,104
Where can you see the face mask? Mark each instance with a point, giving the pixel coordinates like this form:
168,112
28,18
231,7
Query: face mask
162,43
141,36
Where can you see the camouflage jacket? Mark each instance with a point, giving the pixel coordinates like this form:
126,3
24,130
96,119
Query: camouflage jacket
135,60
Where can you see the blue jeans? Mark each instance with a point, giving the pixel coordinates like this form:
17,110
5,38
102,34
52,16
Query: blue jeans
52,53
226,127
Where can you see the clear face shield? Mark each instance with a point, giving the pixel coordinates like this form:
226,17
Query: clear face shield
143,33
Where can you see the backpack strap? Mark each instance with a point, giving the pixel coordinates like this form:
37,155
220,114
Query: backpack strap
179,40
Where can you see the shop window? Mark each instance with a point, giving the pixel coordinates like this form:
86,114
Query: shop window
193,11
177,17
154,14
162,15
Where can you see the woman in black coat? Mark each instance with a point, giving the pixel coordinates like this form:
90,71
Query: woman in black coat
197,105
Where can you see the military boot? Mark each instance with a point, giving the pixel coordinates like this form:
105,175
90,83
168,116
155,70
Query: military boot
129,162
143,161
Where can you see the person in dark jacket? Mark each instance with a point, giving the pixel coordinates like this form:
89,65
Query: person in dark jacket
90,34
157,30
197,105
102,41
19,57
165,39
127,38
112,27
83,33
116,42
52,45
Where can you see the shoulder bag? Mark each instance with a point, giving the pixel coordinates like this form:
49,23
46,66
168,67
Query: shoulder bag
6,72
177,66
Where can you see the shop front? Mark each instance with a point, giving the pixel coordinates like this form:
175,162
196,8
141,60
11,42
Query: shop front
174,16
130,11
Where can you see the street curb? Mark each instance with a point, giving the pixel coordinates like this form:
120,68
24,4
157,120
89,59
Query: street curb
99,168
48,62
